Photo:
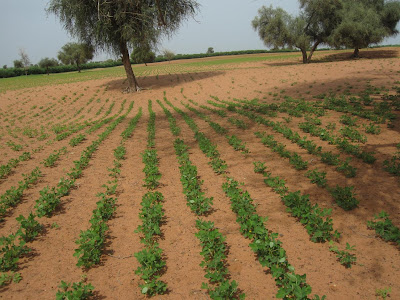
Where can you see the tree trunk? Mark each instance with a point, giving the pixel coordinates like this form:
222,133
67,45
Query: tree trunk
356,53
304,52
132,83
77,65
314,47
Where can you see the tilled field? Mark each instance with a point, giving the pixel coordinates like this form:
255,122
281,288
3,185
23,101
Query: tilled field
257,180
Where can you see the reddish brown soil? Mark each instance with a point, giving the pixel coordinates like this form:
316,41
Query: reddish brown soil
52,260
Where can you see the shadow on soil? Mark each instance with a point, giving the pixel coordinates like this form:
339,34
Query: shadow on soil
162,81
347,56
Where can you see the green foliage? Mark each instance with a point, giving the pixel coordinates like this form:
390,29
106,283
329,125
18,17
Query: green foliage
344,256
353,134
214,252
14,146
172,122
317,177
127,133
348,120
46,63
151,264
237,144
149,158
330,158
75,291
259,167
120,152
385,228
7,278
75,53
29,227
238,123
347,169
199,204
372,128
151,215
265,244
363,23
393,165
51,160
143,54
383,293
344,197
91,243
47,202
11,249
77,140
311,216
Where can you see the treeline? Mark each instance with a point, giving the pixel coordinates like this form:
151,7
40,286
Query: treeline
35,70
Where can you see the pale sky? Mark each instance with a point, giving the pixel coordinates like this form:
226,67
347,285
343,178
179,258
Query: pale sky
224,25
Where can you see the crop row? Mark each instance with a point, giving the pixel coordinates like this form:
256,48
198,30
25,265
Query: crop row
151,263
13,246
207,147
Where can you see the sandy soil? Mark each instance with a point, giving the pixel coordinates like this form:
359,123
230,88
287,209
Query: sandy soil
52,260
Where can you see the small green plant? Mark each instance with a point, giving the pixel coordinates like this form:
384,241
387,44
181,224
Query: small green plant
48,202
237,144
75,141
6,278
348,170
259,167
29,227
383,293
385,228
372,128
317,177
344,256
75,291
11,249
344,197
151,264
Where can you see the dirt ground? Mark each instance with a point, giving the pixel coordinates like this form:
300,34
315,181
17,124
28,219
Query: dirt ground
52,260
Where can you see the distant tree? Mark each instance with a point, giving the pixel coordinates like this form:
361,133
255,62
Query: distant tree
25,60
143,54
168,54
75,53
365,22
116,26
210,50
18,64
46,63
312,27
5,67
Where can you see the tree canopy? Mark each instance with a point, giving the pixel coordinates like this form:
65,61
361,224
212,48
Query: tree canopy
75,53
116,25
46,63
143,54
349,23
365,22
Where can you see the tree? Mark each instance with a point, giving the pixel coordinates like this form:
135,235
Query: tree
18,64
5,67
24,60
210,50
365,22
168,54
116,26
75,53
46,63
143,55
312,27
